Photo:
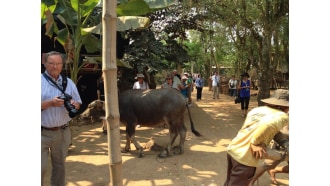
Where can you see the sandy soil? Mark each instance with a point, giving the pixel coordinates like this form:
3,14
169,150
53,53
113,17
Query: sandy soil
203,162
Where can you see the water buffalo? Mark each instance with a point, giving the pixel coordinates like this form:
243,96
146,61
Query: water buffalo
151,107
147,108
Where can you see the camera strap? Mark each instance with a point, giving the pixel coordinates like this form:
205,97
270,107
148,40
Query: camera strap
64,82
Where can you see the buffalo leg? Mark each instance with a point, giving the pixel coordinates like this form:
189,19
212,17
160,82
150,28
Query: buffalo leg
173,135
137,146
174,128
130,131
183,133
181,128
167,151
128,144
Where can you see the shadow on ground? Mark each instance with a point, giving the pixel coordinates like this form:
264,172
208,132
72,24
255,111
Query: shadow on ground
203,162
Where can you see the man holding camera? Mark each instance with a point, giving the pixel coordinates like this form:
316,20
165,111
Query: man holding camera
60,101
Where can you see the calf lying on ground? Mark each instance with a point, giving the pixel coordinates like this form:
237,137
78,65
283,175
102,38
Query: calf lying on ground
94,112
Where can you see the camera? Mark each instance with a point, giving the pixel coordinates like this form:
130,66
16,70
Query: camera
67,104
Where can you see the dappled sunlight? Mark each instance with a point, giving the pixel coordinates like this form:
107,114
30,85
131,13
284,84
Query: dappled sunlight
205,148
82,182
152,182
224,141
207,174
203,161
95,160
221,114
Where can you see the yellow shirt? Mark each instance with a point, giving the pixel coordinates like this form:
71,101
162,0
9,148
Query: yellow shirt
260,126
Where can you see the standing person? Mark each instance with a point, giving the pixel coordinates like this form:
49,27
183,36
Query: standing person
140,83
199,82
168,82
55,133
175,73
249,146
233,86
190,87
209,83
185,87
244,88
215,85
100,89
177,84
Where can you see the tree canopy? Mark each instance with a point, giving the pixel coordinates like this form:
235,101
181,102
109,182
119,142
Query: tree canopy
240,36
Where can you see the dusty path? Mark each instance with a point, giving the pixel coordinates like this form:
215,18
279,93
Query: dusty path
204,159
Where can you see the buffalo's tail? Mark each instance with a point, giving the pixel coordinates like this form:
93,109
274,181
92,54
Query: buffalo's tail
191,123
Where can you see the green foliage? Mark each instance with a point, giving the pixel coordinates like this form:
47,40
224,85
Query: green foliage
133,8
144,50
227,33
74,15
80,20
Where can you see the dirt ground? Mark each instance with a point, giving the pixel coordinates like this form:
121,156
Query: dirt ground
203,162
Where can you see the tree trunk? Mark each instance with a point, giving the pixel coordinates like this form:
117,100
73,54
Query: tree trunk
109,69
266,68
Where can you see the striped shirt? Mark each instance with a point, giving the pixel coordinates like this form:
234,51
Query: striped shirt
56,116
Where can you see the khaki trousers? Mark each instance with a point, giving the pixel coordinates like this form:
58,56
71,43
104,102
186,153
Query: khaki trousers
215,91
55,143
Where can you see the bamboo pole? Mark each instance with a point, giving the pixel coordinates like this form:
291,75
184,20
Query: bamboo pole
109,70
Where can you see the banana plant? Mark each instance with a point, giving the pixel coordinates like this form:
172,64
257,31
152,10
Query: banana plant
77,23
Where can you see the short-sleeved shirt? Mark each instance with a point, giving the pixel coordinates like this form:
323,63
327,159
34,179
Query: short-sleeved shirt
199,82
260,127
143,86
215,80
233,83
176,82
56,116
